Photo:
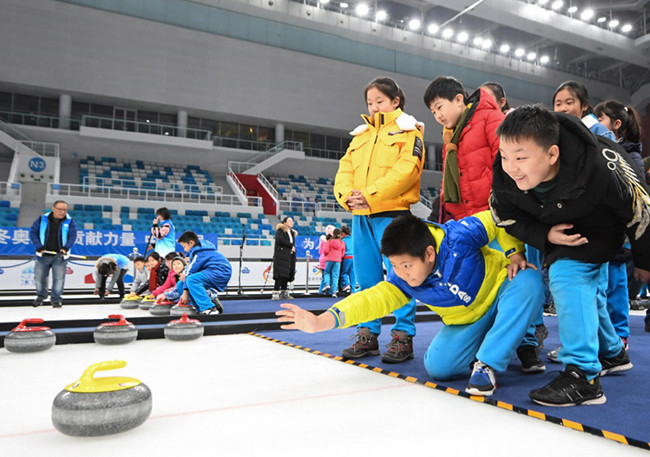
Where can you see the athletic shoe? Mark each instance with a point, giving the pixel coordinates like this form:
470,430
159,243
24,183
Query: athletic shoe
38,302
549,309
214,310
56,304
365,344
400,348
541,332
570,388
619,363
639,304
285,295
275,295
326,290
530,360
552,355
483,381
334,295
346,289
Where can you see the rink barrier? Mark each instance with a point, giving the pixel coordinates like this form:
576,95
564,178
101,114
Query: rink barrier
487,400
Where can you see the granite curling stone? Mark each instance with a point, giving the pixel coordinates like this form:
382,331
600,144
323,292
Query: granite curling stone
130,302
120,332
180,309
29,339
161,307
101,406
183,329
147,302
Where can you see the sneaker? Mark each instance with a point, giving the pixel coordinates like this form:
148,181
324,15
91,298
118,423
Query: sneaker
326,290
541,332
626,345
217,304
286,295
365,344
549,309
38,302
334,295
57,304
552,355
570,388
530,360
400,348
483,381
275,295
346,289
214,310
619,363
639,304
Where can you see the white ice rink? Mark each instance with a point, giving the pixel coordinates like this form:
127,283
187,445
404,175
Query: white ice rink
240,395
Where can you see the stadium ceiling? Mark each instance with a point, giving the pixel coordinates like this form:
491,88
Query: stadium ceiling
605,41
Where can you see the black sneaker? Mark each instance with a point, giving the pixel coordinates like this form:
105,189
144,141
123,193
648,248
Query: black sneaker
365,344
38,302
400,348
56,304
570,388
530,360
639,304
541,332
549,309
619,363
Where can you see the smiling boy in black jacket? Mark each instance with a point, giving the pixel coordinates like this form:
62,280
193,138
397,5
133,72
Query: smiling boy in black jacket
573,196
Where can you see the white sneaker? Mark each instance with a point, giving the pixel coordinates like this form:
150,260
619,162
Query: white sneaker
276,295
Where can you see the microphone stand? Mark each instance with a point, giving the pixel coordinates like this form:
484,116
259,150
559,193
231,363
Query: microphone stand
241,257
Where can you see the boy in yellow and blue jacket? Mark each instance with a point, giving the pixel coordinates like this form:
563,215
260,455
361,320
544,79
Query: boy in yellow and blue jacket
486,299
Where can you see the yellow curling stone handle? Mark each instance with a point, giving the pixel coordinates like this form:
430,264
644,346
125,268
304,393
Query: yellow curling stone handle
89,384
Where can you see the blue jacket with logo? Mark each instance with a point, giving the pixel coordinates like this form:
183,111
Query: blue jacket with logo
212,263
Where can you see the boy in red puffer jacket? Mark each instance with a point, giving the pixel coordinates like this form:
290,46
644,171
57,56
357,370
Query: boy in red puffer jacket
471,144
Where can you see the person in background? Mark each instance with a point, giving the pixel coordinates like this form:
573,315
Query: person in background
141,280
348,279
334,252
163,232
158,270
115,266
284,258
56,233
497,92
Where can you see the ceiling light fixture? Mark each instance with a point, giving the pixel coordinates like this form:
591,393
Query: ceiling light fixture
531,56
544,59
572,9
587,14
626,28
519,52
433,29
362,9
557,4
487,44
462,37
414,24
448,33
381,15
613,23
504,48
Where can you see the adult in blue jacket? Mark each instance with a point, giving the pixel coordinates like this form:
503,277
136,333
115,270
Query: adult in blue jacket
207,269
52,235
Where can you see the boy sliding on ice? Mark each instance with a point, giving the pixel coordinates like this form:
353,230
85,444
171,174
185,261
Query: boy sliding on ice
486,301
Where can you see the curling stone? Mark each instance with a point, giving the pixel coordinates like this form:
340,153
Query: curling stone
147,302
161,307
130,302
101,406
29,339
181,309
120,332
183,329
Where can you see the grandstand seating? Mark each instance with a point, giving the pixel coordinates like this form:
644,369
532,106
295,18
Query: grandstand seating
303,187
429,193
111,172
9,213
229,227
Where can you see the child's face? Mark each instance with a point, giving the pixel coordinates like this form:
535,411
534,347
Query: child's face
528,163
567,102
139,265
177,266
152,263
378,102
611,124
447,112
187,246
414,270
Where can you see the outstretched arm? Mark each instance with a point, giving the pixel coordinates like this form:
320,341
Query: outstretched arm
304,320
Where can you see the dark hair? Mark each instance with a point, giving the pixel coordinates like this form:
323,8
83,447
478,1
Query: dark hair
138,259
336,233
345,229
579,91
389,88
285,218
531,122
407,235
499,92
188,236
171,255
164,213
630,128
106,267
328,236
59,201
155,255
443,87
